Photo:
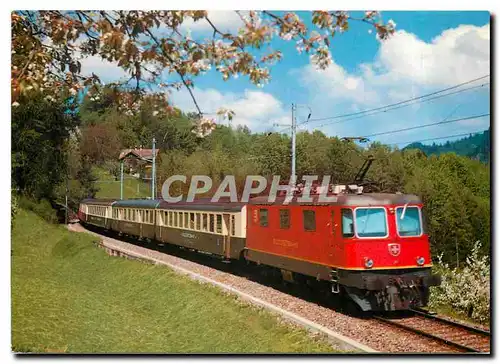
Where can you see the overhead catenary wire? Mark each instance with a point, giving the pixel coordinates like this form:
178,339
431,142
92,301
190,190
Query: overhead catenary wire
437,138
399,107
426,125
408,102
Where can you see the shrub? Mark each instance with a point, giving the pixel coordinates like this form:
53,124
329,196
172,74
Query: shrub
42,208
467,289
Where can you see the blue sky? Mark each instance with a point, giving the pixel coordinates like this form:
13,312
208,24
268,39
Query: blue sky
430,51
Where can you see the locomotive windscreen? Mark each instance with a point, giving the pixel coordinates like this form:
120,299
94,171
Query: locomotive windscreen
409,224
371,222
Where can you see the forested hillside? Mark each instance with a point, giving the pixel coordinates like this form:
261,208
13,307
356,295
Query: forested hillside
455,189
475,146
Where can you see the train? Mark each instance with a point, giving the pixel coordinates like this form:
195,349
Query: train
370,249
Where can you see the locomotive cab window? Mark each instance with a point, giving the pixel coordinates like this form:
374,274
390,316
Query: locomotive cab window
284,219
409,223
309,217
371,222
347,223
263,217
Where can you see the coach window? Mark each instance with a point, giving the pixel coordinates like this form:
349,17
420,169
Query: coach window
263,217
211,224
284,218
198,221
191,220
218,227
309,220
347,223
204,222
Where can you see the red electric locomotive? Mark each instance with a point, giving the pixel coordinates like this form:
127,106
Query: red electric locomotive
371,247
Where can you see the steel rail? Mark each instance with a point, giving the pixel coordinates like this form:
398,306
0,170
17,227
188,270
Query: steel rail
440,339
426,334
476,330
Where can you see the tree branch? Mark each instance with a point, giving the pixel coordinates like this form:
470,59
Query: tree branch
176,70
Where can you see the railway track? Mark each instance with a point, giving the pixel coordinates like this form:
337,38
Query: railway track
460,337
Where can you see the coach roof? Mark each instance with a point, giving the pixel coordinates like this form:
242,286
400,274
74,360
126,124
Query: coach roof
139,203
204,204
100,201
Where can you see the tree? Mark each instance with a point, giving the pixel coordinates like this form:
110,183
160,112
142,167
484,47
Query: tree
39,159
47,47
100,143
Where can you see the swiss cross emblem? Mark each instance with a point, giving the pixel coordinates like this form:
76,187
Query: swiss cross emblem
394,249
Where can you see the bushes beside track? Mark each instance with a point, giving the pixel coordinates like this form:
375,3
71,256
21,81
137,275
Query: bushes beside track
464,290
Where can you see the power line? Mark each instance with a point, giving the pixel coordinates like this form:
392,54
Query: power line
383,108
426,125
401,106
428,139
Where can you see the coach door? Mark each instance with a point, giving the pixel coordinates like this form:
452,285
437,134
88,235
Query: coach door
227,235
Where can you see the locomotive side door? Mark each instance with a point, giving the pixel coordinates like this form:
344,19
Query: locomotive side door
227,235
334,252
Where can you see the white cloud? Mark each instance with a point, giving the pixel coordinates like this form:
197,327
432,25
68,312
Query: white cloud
256,109
405,65
457,55
223,20
106,71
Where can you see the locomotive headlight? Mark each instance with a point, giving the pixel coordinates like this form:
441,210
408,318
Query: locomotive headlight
368,263
420,260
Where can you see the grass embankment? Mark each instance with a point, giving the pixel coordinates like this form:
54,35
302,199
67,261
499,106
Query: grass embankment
69,296
109,187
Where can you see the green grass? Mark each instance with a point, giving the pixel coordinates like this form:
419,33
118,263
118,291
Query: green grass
69,296
110,188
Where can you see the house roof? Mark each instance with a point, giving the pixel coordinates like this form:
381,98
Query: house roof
138,153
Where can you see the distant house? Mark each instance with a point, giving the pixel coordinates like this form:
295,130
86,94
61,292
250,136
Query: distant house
139,160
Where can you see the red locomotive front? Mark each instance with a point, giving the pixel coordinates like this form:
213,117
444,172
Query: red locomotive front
370,247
